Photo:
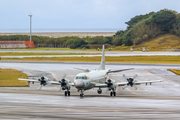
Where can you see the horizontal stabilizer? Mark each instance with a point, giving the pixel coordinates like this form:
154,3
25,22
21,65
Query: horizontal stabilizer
113,71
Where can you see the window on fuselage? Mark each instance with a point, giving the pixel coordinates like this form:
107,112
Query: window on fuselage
81,77
78,77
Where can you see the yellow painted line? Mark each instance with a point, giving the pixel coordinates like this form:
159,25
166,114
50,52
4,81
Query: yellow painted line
161,77
54,76
130,91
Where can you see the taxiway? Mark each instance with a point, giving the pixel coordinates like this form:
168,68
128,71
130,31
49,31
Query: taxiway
156,101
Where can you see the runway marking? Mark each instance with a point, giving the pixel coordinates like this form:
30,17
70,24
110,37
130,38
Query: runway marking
54,76
130,90
161,77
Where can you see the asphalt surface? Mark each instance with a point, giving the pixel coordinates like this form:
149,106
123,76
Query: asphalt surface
157,101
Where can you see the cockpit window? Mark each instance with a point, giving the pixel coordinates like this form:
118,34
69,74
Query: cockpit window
81,77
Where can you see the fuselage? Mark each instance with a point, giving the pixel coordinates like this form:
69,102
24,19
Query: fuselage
85,81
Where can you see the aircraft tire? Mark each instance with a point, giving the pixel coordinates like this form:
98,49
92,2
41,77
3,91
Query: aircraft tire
65,93
114,93
81,95
69,93
99,92
111,93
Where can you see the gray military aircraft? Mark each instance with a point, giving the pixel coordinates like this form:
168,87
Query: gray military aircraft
93,78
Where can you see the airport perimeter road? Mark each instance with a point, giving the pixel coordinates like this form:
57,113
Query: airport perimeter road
157,101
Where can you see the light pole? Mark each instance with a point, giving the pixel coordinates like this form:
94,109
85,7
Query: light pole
30,25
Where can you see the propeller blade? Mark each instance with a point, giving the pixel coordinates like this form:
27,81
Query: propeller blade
134,77
40,86
107,89
135,87
60,88
43,74
64,76
124,87
125,77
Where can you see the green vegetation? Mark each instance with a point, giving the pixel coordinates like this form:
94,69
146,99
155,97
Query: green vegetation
9,78
61,42
144,28
166,41
177,72
31,53
121,59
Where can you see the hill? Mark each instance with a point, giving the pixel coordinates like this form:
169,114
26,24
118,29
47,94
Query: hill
163,42
150,26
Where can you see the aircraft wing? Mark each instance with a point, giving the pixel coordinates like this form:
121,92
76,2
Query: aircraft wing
30,80
57,83
152,81
138,82
85,70
113,71
100,85
121,83
125,83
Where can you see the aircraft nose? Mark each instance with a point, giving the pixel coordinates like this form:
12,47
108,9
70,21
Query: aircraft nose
79,84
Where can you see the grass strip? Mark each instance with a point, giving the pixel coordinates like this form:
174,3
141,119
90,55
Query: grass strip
31,53
177,72
9,78
115,59
50,49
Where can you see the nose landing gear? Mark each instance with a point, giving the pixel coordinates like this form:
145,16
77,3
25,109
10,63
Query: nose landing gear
82,94
99,91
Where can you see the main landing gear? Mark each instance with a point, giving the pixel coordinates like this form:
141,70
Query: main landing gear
67,93
113,93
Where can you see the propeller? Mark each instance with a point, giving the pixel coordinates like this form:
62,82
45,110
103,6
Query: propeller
131,81
63,83
42,81
109,84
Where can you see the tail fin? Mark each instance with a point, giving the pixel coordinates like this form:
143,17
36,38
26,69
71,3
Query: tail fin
102,65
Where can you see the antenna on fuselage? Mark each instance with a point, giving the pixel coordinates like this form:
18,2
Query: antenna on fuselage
102,65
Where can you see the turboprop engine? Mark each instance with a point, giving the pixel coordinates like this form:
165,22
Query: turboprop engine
110,85
131,81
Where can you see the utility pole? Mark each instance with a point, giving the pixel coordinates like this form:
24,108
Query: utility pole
30,25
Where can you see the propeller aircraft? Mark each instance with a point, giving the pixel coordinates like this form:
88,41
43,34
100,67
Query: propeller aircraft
93,79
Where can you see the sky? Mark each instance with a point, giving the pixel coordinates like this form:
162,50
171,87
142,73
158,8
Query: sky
75,15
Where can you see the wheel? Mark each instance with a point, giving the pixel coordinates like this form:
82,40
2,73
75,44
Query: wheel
81,95
111,93
99,91
114,93
65,93
68,93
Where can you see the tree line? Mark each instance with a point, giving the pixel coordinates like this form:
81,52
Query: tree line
72,42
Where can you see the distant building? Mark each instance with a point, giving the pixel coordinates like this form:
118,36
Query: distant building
17,44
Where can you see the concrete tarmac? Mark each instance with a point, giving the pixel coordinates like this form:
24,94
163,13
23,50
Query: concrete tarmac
157,101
